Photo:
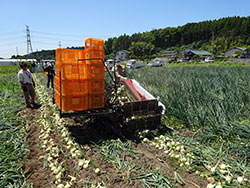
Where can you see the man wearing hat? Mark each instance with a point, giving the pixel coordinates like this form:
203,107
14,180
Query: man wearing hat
51,74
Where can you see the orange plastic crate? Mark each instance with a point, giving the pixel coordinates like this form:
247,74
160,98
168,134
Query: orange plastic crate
57,97
72,86
96,44
68,56
95,71
57,83
58,72
96,86
72,71
82,82
72,102
94,54
96,101
90,54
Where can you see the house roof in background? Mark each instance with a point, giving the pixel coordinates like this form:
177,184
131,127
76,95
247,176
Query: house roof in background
232,51
169,53
197,52
240,48
124,51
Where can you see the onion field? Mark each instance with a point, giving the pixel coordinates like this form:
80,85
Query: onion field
203,141
12,133
208,108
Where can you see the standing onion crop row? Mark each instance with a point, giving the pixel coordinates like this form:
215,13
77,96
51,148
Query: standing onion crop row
200,95
215,166
211,106
212,100
12,133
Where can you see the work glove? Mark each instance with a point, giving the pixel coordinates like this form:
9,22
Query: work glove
34,85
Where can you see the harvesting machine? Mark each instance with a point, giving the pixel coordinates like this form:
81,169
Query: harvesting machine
84,86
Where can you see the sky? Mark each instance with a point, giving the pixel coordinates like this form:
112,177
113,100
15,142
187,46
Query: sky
70,22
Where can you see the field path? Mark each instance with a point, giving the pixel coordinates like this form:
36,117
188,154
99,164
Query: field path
152,159
34,162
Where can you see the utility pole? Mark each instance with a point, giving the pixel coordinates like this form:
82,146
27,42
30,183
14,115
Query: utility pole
16,51
29,46
60,45
212,43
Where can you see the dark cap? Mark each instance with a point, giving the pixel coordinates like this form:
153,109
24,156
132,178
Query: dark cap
23,64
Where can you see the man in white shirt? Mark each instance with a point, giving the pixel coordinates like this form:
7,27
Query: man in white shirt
27,84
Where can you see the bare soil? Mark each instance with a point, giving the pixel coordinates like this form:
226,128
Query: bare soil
34,163
87,133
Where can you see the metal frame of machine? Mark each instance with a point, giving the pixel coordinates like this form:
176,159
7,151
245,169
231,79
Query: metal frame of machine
131,115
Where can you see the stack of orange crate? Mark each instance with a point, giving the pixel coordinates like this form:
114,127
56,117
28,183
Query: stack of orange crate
79,85
71,80
94,48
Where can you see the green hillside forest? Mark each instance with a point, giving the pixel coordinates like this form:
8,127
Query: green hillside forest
228,32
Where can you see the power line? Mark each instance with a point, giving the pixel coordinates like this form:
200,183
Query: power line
2,37
55,38
55,45
45,43
67,35
14,43
9,33
57,34
6,50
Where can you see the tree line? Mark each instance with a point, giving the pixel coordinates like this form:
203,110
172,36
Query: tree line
228,32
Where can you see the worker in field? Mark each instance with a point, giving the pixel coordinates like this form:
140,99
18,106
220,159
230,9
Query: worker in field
27,83
119,71
51,74
45,65
33,67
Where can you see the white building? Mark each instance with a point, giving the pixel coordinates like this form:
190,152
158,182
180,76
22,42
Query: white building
15,61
